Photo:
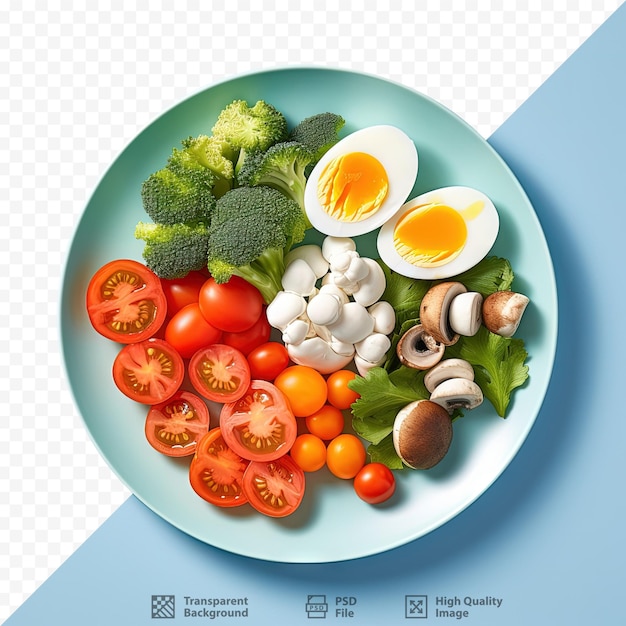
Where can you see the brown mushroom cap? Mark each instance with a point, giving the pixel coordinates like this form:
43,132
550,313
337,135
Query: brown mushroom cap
422,434
434,311
502,312
419,350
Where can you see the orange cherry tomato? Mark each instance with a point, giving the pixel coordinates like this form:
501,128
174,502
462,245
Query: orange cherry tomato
326,423
345,456
304,387
339,394
309,452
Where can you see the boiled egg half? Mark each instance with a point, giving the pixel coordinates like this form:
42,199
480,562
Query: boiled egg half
440,233
361,181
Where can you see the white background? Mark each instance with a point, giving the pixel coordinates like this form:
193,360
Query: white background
77,85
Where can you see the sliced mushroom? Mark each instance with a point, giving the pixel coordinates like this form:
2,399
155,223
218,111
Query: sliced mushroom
446,369
465,314
457,393
418,349
422,433
434,311
502,312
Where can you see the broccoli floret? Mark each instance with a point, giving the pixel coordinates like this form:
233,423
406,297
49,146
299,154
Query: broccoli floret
210,153
248,129
252,229
282,166
318,133
170,197
174,250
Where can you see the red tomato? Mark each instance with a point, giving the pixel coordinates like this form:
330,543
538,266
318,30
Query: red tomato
188,331
180,292
339,394
259,426
233,306
125,301
274,488
345,455
149,372
175,426
304,387
216,472
268,360
375,483
219,373
248,340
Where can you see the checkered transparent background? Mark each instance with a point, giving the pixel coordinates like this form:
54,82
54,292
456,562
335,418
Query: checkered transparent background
77,85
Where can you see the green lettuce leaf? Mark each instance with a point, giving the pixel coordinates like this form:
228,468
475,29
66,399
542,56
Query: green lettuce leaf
384,452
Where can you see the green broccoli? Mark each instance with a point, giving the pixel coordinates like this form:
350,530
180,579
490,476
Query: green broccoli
283,167
252,229
174,250
211,154
170,197
318,133
248,129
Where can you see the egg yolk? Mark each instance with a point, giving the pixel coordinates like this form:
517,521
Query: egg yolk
352,187
430,235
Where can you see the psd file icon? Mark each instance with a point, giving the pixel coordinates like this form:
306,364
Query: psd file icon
316,607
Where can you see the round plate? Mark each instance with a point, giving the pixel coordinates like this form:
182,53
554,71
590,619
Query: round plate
332,523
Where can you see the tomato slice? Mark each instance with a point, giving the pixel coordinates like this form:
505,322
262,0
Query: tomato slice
274,488
149,372
219,373
216,472
260,426
175,426
125,301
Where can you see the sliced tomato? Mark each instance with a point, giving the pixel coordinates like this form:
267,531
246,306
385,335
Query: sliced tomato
125,301
149,372
219,373
274,488
175,426
216,472
260,426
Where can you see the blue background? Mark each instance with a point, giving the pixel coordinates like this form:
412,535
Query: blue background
547,538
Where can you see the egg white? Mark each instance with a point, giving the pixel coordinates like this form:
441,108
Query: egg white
482,231
398,155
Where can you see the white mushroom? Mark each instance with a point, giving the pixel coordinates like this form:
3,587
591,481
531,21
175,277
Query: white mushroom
318,354
299,278
296,332
465,313
434,310
335,245
335,291
418,349
310,253
384,317
457,393
354,323
363,366
284,308
373,348
372,287
502,312
448,368
324,308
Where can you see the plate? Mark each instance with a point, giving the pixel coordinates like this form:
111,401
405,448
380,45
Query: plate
332,524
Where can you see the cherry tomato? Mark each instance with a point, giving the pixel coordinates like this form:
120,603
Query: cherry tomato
339,394
309,452
175,426
149,372
274,488
180,292
326,423
345,455
304,387
259,426
188,331
268,360
233,306
125,301
375,483
219,373
247,340
216,472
